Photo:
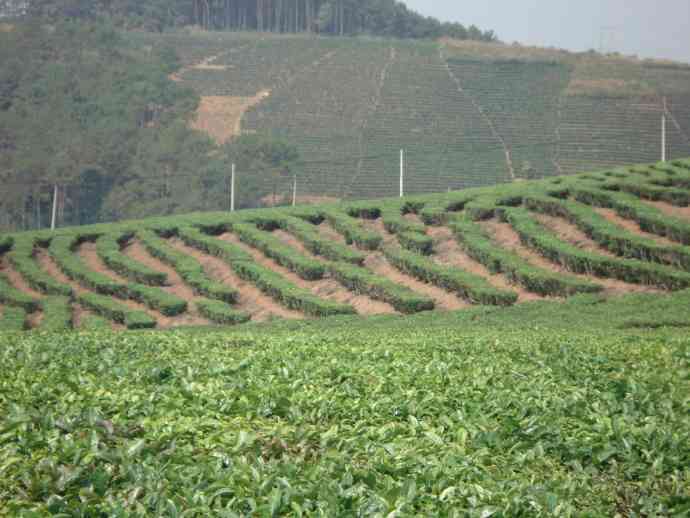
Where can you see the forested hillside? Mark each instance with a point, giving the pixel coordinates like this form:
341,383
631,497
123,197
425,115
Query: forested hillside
378,17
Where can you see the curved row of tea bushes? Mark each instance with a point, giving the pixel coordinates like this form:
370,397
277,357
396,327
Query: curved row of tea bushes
115,311
610,236
411,236
21,257
109,249
649,218
220,312
188,268
269,282
352,230
645,191
306,267
57,314
63,250
12,318
11,296
478,245
540,239
473,288
317,245
362,281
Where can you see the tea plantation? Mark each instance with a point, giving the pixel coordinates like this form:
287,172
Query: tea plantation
519,350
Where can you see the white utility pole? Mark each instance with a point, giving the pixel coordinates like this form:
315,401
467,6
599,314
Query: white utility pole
663,133
54,215
232,188
402,173
294,190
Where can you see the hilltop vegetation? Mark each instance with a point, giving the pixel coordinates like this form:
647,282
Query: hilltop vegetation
605,234
389,18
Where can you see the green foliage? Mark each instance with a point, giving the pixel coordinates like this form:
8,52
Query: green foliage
421,416
286,293
609,235
109,249
188,268
472,288
21,258
220,312
12,318
6,243
306,267
317,245
627,206
157,299
269,282
264,165
536,236
13,297
62,250
57,314
352,230
94,323
481,248
361,280
119,313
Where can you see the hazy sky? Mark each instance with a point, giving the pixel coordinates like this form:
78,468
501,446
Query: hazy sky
647,28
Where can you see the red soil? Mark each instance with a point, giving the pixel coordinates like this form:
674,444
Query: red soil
449,253
505,236
251,300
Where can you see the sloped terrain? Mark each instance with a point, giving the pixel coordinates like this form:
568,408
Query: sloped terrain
467,114
608,233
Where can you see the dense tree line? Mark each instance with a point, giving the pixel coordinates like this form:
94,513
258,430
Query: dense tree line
86,112
340,17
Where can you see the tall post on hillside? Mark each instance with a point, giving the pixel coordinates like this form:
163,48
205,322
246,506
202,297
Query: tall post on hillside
663,132
54,214
294,190
232,188
402,173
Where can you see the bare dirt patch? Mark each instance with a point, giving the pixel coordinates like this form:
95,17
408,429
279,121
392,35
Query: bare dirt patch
671,210
176,286
632,226
571,234
504,235
363,304
220,116
252,301
326,288
449,253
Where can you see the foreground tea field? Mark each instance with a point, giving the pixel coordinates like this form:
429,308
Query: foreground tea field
542,409
607,233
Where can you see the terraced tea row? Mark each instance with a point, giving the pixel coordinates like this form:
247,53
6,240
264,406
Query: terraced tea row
607,233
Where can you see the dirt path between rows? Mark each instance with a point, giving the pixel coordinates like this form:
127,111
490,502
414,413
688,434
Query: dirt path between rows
670,210
87,253
632,226
17,281
326,288
251,300
504,235
363,304
78,311
377,263
176,286
449,253
571,234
